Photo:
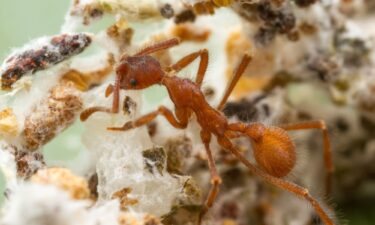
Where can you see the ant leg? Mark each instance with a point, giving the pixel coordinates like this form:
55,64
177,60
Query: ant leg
285,185
236,76
215,178
116,94
233,134
85,114
149,117
158,46
115,104
182,63
319,124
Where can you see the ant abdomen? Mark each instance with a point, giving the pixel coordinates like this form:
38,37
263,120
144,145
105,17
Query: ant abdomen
274,151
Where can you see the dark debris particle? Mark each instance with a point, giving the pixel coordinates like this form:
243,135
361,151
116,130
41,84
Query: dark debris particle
302,115
167,11
96,13
264,36
354,51
185,16
342,125
304,3
93,185
154,158
28,163
209,92
129,105
245,109
57,50
279,79
178,150
7,193
325,67
293,36
283,23
367,124
230,210
233,178
276,21
280,20
152,128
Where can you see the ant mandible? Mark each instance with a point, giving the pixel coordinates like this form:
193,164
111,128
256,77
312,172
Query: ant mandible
273,149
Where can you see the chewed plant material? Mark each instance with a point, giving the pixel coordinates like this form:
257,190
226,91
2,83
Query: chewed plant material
216,146
52,115
49,52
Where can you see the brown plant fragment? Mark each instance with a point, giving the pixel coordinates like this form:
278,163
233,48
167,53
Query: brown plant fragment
8,123
189,32
204,8
125,201
83,81
76,186
129,105
154,158
185,16
58,49
178,150
304,3
308,28
152,128
130,219
93,185
28,163
167,11
245,109
121,33
50,116
278,20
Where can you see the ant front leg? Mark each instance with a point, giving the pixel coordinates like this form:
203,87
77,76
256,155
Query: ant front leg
149,117
185,61
215,178
326,145
115,89
278,182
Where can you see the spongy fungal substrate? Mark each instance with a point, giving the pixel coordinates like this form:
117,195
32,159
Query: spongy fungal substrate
49,205
8,166
120,163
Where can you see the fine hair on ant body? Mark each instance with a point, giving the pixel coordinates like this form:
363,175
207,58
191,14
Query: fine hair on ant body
273,149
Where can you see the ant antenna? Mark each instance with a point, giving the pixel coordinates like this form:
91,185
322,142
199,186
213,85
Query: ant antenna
236,76
158,46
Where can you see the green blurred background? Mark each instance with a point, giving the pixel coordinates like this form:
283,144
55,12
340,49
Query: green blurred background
24,20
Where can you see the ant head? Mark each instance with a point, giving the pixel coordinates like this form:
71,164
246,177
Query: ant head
139,72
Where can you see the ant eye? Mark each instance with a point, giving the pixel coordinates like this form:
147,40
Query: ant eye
133,82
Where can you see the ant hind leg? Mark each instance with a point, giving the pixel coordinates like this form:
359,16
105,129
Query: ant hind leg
278,182
319,124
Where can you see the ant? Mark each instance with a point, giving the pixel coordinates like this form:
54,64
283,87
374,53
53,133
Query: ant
273,149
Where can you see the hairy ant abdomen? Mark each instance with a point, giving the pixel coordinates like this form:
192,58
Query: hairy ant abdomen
275,152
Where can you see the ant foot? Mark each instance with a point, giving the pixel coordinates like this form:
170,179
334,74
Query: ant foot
127,126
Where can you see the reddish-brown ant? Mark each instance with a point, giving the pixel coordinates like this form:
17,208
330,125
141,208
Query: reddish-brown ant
273,149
